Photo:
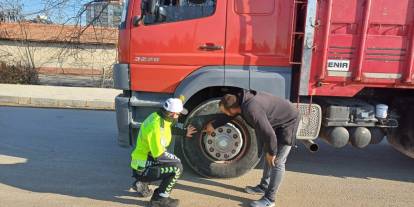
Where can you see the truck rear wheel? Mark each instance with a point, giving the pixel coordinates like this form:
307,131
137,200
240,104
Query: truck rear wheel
231,151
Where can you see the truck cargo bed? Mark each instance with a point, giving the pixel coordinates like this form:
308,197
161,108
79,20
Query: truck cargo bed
354,44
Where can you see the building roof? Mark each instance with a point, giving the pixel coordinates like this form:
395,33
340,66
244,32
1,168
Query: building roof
58,33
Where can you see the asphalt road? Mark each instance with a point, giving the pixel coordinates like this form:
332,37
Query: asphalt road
51,157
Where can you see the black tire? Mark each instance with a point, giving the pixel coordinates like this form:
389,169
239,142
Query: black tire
199,160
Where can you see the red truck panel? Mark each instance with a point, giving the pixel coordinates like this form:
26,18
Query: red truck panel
162,55
259,32
362,43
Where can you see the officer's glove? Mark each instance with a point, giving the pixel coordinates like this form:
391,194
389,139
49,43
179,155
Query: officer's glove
140,171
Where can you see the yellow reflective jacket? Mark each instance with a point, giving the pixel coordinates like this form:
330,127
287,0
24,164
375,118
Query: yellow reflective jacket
153,139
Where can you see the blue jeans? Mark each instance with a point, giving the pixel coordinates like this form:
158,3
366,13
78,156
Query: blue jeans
273,176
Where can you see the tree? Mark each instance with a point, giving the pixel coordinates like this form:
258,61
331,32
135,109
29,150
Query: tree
71,33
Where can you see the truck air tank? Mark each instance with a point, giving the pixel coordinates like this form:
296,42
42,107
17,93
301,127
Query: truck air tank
336,136
360,137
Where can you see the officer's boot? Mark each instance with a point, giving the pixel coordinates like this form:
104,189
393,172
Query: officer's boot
159,201
142,189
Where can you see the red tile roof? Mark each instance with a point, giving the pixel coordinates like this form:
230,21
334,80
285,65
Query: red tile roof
58,33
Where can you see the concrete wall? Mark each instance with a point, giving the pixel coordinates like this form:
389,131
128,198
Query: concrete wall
60,58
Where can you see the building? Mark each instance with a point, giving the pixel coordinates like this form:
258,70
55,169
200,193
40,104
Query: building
11,15
59,49
104,13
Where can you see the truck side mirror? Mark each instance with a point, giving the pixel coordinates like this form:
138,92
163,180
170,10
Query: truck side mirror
162,14
136,20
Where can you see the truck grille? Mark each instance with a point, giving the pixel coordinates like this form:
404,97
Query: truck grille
310,123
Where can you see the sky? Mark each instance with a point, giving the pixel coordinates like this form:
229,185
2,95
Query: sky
32,6
56,11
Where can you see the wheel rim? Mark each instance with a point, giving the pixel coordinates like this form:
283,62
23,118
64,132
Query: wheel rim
227,148
224,144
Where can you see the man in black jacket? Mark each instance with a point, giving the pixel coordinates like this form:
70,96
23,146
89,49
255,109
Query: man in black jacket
275,120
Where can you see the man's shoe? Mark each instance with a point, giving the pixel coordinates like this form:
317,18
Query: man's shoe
142,189
263,202
158,201
255,190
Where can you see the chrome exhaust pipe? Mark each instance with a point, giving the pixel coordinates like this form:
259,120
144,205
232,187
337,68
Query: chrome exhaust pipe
310,145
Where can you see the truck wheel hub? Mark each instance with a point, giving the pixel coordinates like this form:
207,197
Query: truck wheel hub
224,143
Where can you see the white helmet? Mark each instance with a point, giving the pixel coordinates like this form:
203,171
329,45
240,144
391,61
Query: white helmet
174,105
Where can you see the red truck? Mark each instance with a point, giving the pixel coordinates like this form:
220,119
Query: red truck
346,64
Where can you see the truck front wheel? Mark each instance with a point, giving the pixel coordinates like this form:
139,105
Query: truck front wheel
230,151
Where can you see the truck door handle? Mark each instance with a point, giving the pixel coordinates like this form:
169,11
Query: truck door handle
210,47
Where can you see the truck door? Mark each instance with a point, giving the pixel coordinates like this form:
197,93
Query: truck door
258,46
188,37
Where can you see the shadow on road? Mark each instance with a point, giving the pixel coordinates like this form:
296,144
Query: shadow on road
205,191
74,153
379,161
67,152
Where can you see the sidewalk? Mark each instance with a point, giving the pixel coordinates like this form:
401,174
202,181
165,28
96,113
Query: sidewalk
57,97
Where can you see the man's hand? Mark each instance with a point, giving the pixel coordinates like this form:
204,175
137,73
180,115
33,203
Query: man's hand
190,131
209,128
271,159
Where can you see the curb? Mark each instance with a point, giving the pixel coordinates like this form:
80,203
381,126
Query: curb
56,103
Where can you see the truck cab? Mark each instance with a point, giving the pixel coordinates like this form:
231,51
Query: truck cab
336,60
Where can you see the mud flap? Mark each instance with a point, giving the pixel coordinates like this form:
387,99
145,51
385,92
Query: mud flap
123,119
402,138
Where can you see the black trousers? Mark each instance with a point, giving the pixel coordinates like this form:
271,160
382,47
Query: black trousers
167,168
